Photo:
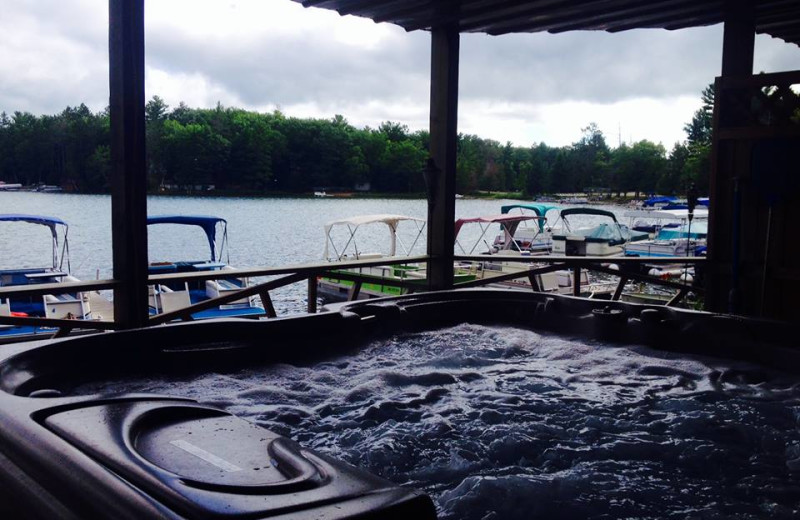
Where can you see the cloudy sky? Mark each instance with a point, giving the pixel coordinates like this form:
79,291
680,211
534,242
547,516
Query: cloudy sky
268,54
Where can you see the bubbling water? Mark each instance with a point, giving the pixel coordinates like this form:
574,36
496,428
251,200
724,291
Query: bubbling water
505,423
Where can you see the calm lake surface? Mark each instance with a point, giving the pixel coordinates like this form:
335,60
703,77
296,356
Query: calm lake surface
261,231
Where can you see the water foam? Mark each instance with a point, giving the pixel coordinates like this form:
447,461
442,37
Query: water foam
505,423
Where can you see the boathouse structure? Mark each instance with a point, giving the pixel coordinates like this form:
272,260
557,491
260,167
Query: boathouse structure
753,263
752,266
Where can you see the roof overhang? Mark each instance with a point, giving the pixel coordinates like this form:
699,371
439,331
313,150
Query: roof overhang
777,18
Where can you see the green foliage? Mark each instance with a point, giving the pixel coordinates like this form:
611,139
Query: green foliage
249,152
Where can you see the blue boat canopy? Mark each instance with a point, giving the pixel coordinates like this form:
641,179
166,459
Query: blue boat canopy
207,223
42,220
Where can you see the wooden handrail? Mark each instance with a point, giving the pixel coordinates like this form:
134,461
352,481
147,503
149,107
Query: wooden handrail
40,289
571,261
297,273
308,269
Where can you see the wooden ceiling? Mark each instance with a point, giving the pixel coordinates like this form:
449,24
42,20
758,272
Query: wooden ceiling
778,18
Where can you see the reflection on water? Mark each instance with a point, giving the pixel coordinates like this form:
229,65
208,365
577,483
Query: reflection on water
502,423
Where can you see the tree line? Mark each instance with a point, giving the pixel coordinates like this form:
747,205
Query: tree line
240,151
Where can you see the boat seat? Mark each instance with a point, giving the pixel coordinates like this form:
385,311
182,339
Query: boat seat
548,282
5,310
217,288
174,300
66,306
368,256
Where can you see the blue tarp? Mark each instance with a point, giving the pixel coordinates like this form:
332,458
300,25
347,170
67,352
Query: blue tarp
207,223
659,200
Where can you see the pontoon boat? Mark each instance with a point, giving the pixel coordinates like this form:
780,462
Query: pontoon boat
60,306
171,296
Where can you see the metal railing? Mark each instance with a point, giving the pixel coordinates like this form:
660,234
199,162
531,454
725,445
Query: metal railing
292,274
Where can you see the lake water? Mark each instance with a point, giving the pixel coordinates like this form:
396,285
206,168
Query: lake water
261,231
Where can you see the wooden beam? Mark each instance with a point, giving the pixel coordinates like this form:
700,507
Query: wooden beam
724,292
312,295
354,292
738,38
620,287
269,308
128,170
600,18
441,170
576,281
677,298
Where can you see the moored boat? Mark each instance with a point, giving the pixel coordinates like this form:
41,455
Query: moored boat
342,239
75,305
604,239
171,296
535,236
507,244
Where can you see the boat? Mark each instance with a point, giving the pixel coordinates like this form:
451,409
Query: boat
658,202
378,280
48,188
653,221
172,296
574,200
535,236
671,203
604,239
75,305
342,239
560,282
672,233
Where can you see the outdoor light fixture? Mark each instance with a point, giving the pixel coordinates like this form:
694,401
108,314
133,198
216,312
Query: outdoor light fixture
431,174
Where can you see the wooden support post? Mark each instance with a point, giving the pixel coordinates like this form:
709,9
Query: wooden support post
723,291
312,295
576,281
128,168
354,291
620,286
269,308
440,173
534,281
678,297
738,39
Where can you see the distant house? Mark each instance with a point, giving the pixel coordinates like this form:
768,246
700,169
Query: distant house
362,186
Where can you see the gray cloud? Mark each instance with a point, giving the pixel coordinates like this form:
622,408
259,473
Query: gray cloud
297,69
56,54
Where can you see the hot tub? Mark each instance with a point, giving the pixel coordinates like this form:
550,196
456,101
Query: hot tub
498,404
